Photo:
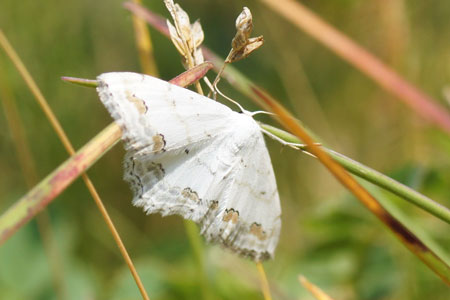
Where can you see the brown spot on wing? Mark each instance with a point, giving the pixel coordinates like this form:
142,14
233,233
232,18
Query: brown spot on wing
214,204
138,103
231,215
190,194
158,143
256,229
155,168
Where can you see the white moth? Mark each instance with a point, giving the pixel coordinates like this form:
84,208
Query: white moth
192,156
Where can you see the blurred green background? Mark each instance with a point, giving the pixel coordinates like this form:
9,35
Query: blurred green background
326,236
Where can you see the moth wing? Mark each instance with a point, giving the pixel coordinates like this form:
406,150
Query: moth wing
226,185
157,116
192,156
250,218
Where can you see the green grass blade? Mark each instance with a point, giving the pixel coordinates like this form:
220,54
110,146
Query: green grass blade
375,177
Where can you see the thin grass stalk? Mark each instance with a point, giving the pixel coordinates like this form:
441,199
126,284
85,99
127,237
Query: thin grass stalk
64,139
304,19
265,288
28,168
313,289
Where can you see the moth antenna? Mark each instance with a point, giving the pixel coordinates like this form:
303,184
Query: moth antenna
228,98
262,112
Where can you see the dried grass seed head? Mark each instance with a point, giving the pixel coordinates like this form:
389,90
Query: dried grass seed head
186,37
242,45
244,27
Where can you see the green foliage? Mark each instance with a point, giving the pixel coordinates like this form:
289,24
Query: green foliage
326,236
